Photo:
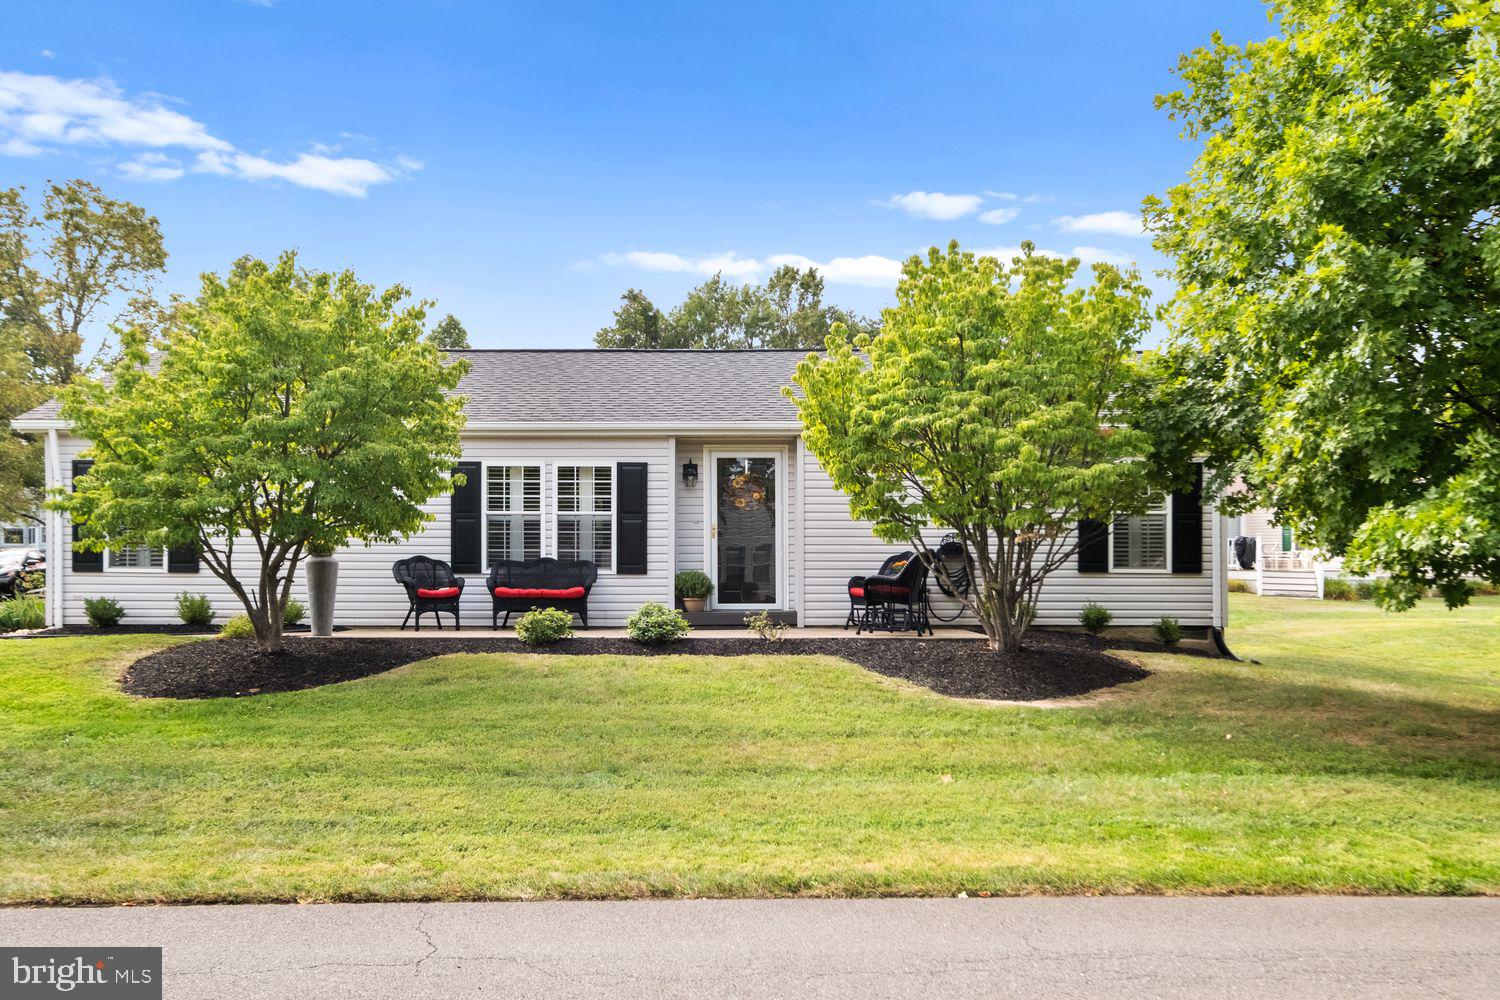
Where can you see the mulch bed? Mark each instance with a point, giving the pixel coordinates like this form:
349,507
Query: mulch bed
1053,664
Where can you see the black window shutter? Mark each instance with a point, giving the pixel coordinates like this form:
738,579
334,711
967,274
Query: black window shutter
466,556
84,562
1093,547
1187,524
183,559
630,518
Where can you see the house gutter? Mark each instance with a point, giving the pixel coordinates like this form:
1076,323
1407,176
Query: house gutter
54,588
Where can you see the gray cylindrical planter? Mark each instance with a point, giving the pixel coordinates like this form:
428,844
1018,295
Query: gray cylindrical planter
322,588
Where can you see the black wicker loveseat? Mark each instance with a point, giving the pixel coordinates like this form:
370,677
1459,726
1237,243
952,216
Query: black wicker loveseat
517,585
431,587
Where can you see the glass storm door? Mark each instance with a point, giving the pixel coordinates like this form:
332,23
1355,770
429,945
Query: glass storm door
745,517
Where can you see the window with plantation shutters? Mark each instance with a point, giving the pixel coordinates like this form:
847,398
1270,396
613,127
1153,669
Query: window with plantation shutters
513,512
1139,541
586,514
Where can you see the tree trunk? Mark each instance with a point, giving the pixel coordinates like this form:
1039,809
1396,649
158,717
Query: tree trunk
267,621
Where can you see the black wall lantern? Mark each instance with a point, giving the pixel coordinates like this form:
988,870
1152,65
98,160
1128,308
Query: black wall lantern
690,474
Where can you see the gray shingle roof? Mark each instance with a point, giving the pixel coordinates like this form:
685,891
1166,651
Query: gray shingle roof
600,386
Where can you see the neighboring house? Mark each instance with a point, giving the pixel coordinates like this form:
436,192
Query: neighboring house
1283,567
650,462
24,534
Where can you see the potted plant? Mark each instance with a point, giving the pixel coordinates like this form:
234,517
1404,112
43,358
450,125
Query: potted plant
322,587
693,587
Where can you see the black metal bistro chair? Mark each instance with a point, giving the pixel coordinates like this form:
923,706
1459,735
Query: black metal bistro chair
896,597
431,587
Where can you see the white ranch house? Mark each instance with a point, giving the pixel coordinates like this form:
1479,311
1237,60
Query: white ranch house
548,433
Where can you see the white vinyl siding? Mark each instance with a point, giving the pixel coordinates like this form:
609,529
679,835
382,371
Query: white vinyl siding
513,512
838,547
367,596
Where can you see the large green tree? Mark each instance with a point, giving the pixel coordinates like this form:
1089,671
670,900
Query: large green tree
1337,250
70,265
786,312
286,410
449,334
983,406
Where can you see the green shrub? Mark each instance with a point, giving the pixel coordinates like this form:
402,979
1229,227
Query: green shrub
25,611
1335,589
656,624
541,626
1364,590
1240,587
1095,617
1484,588
1168,631
765,626
103,612
294,613
238,627
693,583
195,609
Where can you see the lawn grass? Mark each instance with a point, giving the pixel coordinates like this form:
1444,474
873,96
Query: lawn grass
1362,754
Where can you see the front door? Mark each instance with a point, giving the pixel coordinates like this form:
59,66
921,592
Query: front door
746,517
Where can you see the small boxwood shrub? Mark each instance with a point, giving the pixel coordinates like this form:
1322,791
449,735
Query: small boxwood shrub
693,583
1335,589
195,609
656,624
1095,617
1168,631
1240,587
25,611
103,612
541,626
238,627
294,613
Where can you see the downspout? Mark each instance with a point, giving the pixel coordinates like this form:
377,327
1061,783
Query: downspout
1221,588
55,563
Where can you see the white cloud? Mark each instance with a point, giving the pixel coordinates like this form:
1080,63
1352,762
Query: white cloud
1099,255
343,175
39,112
1107,223
47,54
999,216
152,167
935,204
870,270
1004,254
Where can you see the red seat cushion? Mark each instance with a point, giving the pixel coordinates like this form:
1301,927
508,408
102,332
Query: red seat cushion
856,592
439,593
570,592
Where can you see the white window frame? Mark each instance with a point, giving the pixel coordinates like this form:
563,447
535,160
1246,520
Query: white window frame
1166,511
110,567
484,505
614,505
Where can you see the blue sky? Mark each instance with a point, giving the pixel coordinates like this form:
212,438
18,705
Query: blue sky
523,165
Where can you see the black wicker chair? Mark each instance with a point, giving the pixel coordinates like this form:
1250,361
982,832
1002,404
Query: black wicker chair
431,587
517,585
896,597
857,602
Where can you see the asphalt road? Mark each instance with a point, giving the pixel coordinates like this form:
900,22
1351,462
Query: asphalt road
1281,948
